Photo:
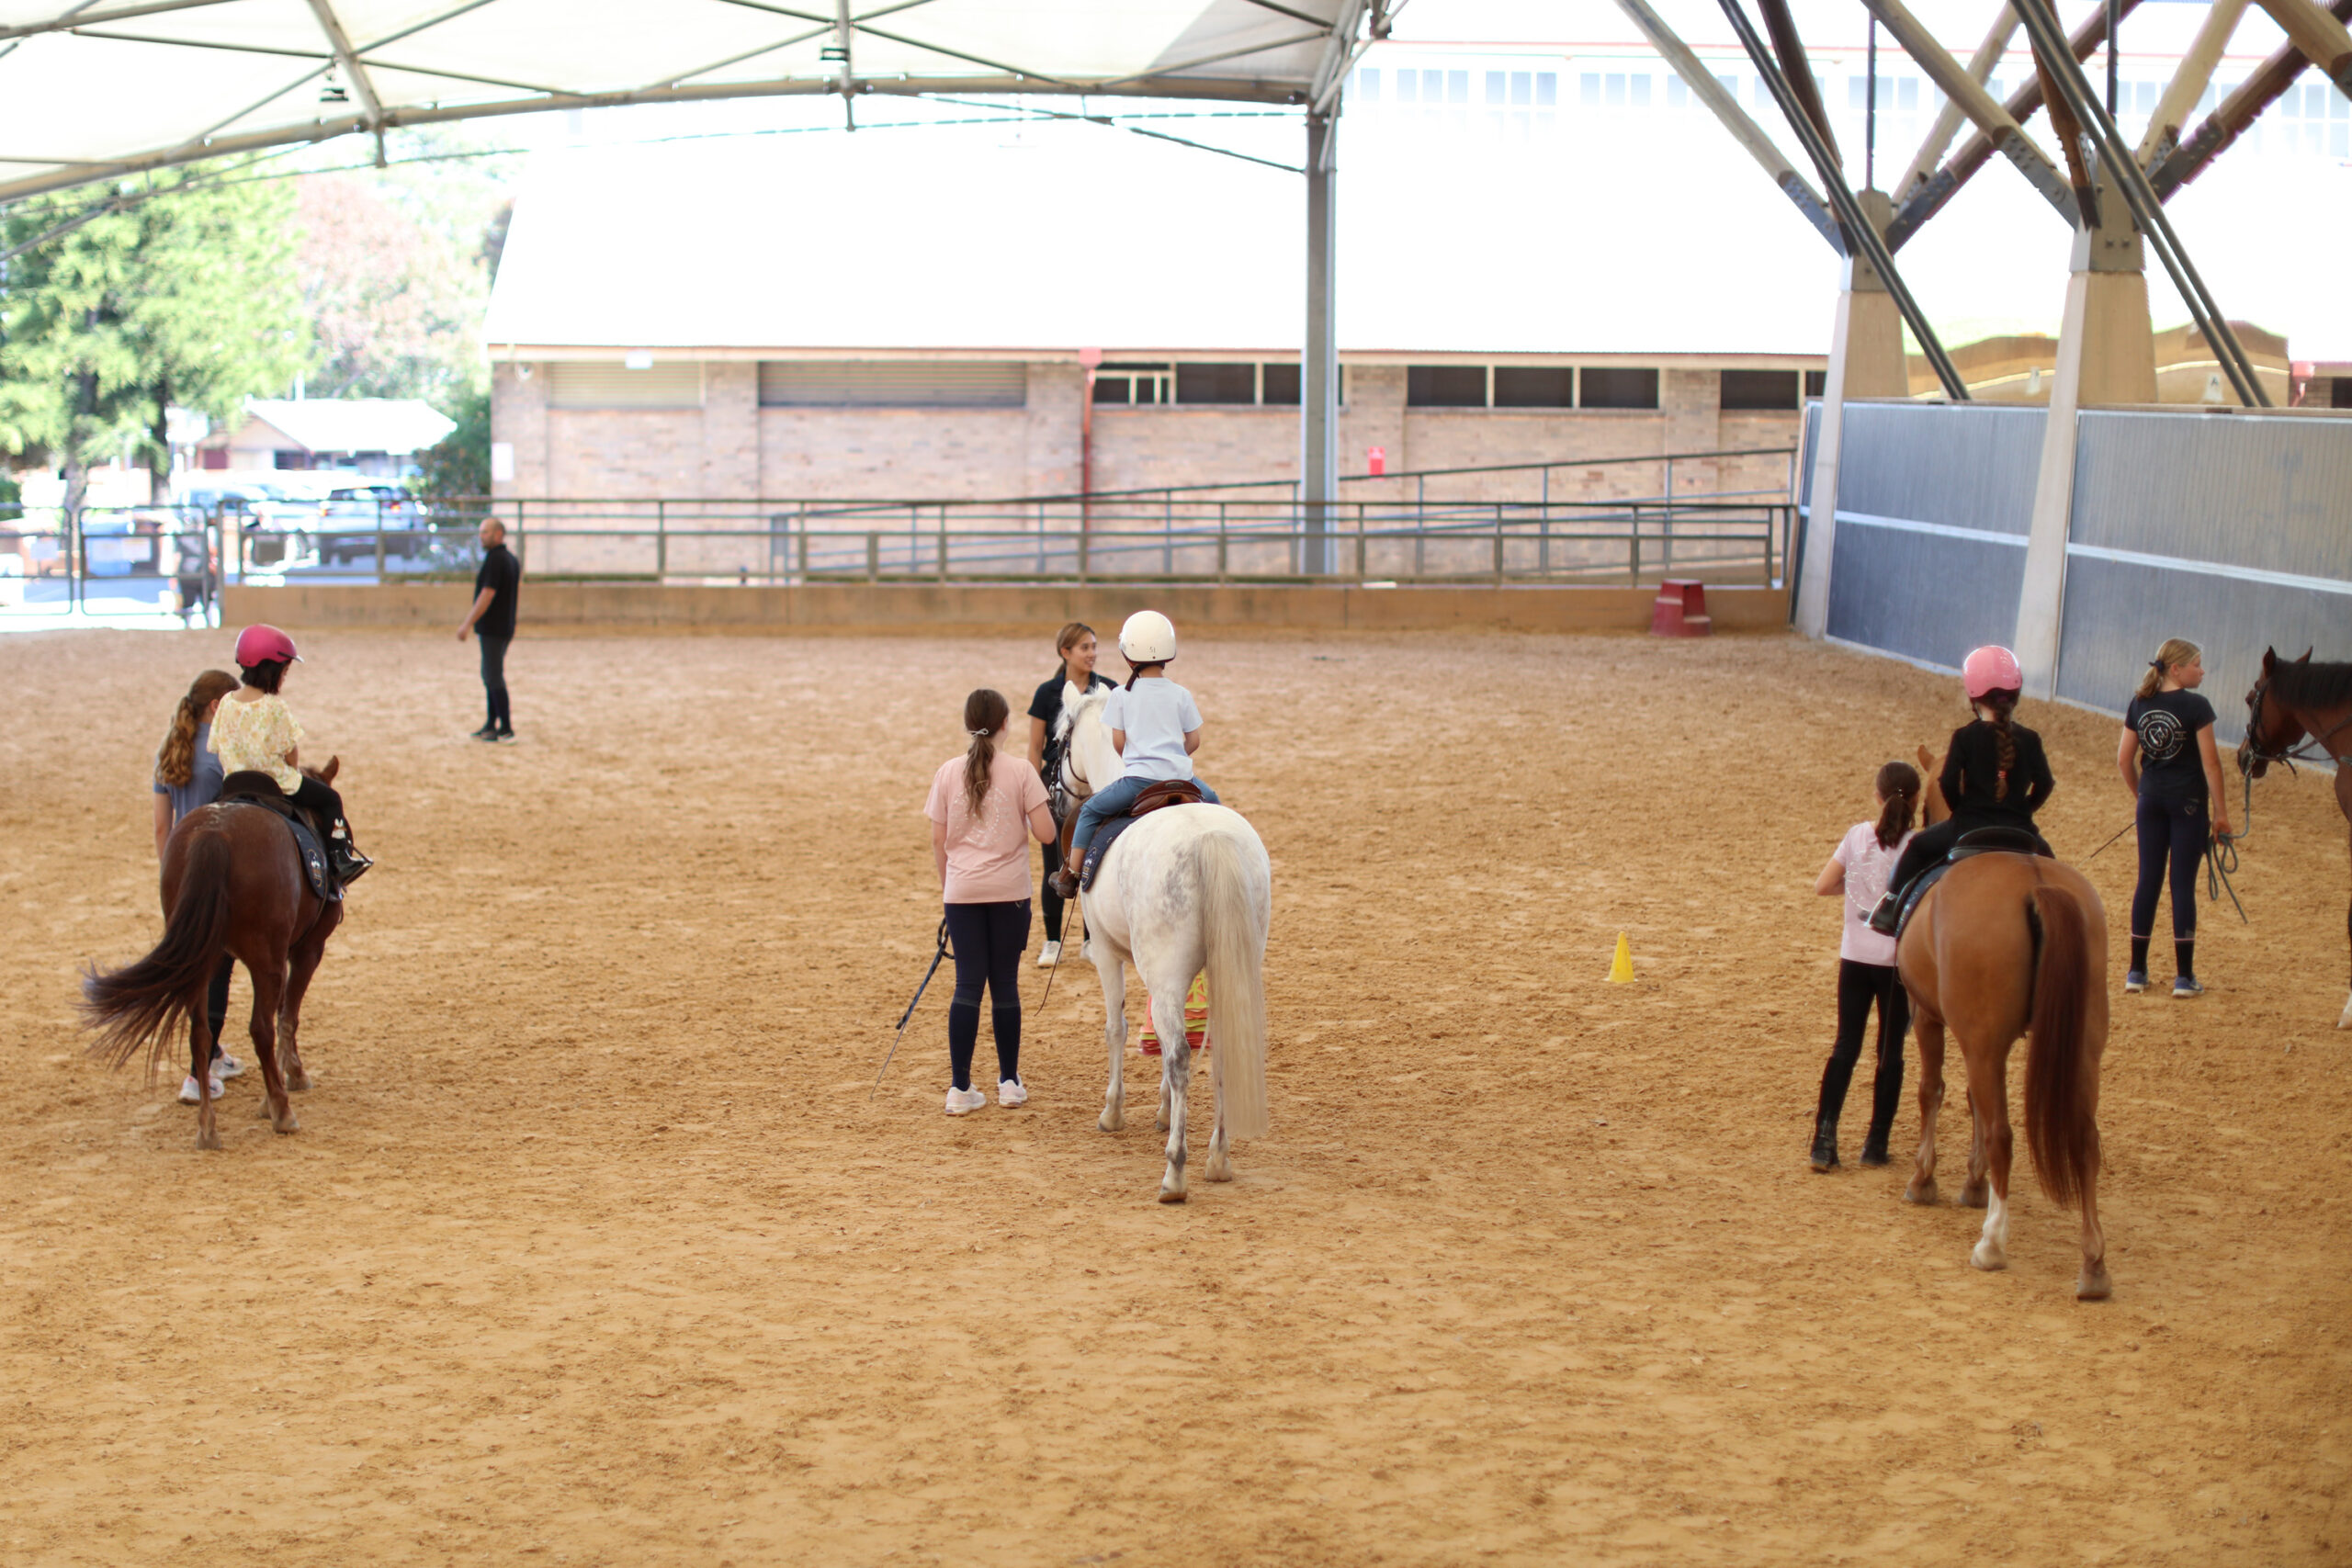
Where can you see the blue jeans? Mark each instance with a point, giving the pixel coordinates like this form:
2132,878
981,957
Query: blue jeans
1116,799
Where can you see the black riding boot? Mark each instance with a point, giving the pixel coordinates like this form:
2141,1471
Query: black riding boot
348,863
1825,1143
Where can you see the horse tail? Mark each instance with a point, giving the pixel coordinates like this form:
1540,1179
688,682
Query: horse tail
1237,965
142,1003
2059,1124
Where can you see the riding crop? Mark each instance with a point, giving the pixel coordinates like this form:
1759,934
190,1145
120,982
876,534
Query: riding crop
903,1017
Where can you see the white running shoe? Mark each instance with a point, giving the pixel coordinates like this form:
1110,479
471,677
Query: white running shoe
1050,955
964,1101
224,1066
191,1095
1010,1092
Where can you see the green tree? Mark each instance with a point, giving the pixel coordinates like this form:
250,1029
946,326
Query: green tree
459,465
181,294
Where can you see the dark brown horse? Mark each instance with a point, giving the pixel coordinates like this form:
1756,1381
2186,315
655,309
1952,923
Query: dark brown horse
2303,711
2007,945
232,884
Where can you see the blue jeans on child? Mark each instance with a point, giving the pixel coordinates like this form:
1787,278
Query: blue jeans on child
1114,799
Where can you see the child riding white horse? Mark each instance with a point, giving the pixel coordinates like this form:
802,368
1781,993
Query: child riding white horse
1155,727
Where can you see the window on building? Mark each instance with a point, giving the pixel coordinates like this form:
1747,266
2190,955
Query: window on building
1641,85
1534,386
1522,89
1759,390
908,384
609,384
1458,87
1547,90
1495,86
1446,386
1678,92
1433,88
1368,84
1140,384
1408,86
1619,388
2340,394
1816,383
1613,83
1216,383
1282,382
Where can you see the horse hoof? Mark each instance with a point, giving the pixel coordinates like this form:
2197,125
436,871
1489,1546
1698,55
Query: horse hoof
1171,1194
1921,1192
1988,1257
1971,1196
1109,1121
289,1124
2092,1285
1159,1123
207,1139
298,1083
1219,1170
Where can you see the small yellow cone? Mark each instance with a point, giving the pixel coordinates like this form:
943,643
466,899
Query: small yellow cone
1621,968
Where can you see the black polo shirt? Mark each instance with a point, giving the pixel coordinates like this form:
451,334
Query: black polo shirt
503,574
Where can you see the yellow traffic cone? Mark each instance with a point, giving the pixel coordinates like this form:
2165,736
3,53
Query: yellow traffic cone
1621,968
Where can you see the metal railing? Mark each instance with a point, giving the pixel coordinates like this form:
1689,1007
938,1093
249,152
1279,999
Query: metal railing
1424,527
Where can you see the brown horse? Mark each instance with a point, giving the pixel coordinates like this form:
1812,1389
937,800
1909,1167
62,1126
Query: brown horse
2293,700
2007,945
232,884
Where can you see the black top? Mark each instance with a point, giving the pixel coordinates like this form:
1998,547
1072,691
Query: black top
503,574
1972,770
1047,704
2172,765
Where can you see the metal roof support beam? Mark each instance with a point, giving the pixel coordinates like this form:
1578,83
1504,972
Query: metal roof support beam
1725,109
1991,118
1980,69
83,18
2116,163
1798,72
1863,239
371,107
1318,379
1341,54
2189,79
1928,199
2322,38
2237,111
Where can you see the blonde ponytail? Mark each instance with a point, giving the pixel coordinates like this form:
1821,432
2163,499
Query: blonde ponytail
2176,651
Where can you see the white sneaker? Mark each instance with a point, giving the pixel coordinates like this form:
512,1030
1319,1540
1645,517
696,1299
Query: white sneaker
1050,955
224,1066
962,1102
191,1095
1010,1092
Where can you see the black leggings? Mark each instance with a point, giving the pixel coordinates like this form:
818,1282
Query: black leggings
321,799
1930,844
989,940
494,680
2177,829
1859,986
1054,903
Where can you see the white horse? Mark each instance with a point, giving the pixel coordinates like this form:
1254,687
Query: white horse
1186,888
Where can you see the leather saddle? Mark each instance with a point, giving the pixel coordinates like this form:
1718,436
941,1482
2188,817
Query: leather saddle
253,787
1968,846
1171,792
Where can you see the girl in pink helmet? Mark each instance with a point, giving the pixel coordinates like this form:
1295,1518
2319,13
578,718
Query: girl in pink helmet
1995,776
252,731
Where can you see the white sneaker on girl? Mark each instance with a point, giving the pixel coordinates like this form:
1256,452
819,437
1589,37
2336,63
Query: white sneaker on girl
1010,1092
960,1102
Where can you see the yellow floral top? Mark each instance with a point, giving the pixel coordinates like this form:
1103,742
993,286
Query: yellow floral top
257,735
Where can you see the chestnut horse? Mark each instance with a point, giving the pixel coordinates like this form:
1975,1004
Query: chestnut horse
2007,945
2295,699
232,884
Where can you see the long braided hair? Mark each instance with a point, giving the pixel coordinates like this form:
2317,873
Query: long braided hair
1898,786
176,761
985,712
2003,704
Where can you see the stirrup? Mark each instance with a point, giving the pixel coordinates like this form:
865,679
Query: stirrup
1888,914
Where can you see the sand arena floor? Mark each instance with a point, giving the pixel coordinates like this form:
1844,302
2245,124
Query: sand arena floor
591,1249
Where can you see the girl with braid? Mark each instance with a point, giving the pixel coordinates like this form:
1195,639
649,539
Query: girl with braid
1866,974
1995,776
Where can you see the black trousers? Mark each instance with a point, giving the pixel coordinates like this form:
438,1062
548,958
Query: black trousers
1930,844
1052,901
322,800
1858,986
494,678
2178,831
989,940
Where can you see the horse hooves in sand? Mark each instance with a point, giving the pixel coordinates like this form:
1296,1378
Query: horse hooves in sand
1922,1193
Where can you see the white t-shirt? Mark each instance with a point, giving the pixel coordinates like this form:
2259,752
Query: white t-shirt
1155,717
1867,864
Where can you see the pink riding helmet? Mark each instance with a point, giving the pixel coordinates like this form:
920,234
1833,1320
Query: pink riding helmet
259,644
1989,668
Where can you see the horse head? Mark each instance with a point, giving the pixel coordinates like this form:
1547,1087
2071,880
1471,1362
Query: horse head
1089,759
2271,727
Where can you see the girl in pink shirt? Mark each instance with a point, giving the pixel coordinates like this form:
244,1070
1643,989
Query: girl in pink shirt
985,807
1866,967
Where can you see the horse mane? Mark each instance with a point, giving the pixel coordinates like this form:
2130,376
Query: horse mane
1078,707
2313,684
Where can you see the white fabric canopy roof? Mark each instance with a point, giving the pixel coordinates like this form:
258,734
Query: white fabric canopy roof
101,88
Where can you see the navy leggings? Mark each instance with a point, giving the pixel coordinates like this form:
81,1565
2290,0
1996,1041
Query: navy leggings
2177,829
988,940
1860,987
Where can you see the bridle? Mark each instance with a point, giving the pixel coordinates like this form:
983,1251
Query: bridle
2311,749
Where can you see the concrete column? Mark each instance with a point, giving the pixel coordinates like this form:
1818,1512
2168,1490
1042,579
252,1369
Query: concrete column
1865,361
1319,393
2106,355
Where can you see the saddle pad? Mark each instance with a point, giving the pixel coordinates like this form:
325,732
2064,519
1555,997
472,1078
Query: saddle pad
1975,842
1099,846
307,848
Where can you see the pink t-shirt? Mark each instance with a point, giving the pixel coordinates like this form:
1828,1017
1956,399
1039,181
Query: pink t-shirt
1868,866
988,856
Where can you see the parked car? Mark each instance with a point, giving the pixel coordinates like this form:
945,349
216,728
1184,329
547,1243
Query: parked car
354,513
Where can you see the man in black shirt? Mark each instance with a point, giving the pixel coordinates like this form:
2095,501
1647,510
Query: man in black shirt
493,617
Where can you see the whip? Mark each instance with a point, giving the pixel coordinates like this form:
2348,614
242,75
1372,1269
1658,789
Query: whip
903,1017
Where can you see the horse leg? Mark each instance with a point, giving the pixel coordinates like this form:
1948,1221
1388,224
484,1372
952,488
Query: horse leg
269,993
308,954
200,1059
2092,1283
1114,1032
1220,1165
1988,1099
1176,1072
1930,1030
1973,1190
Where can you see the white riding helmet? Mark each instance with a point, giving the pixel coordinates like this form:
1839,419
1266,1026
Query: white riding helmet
1149,637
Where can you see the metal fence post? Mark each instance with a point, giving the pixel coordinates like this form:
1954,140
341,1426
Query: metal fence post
943,543
1360,556
661,539
78,591
1498,544
1221,557
872,557
380,541
1634,534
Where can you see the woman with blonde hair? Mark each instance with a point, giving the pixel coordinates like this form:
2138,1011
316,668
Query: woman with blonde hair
2176,783
187,775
